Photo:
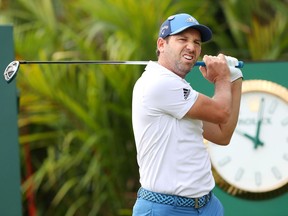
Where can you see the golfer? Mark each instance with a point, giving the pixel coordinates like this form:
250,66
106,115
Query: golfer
171,120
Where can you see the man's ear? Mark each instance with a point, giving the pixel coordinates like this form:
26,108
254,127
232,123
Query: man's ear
160,44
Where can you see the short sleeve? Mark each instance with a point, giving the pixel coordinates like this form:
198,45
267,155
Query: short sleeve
171,96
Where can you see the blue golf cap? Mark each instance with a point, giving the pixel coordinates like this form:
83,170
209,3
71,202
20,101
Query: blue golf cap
179,22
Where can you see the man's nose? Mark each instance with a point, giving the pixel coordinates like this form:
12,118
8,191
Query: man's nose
190,46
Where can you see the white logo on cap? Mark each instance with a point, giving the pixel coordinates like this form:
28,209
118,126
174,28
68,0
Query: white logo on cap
191,19
163,29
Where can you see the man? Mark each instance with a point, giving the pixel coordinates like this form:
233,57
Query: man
171,119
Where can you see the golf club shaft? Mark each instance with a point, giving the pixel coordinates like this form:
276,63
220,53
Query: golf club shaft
11,70
198,63
85,62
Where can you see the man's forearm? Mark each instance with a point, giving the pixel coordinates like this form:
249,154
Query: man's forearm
236,90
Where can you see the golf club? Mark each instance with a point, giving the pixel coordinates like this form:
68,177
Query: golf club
12,69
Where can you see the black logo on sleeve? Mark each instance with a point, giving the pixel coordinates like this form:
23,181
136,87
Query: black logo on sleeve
186,93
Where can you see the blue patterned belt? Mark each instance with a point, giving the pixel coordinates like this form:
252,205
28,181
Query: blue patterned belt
173,199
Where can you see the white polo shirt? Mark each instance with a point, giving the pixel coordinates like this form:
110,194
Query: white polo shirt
171,155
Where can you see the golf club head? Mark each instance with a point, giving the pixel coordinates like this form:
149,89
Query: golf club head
11,71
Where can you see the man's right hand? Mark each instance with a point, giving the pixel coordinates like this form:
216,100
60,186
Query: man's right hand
216,68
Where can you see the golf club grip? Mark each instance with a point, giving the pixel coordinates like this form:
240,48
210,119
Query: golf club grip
201,63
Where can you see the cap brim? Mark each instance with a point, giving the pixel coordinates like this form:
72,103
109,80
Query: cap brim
206,33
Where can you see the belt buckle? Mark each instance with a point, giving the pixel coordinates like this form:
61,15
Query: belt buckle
196,203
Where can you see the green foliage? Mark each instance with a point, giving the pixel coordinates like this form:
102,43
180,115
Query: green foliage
76,119
257,29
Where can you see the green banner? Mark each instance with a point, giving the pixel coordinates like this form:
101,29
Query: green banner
10,191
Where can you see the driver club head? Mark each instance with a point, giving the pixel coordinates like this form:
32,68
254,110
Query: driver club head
11,71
